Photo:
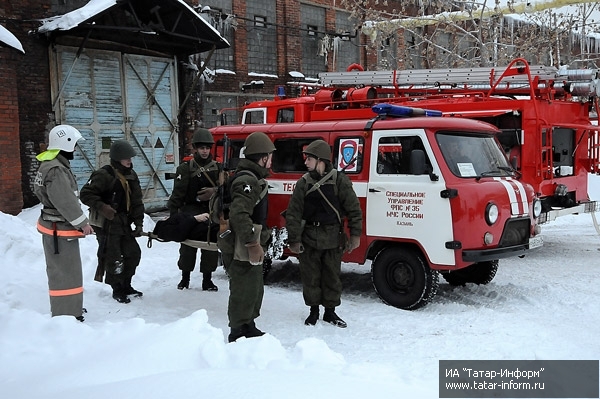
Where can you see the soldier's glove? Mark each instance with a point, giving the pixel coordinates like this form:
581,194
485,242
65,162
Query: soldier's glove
107,211
256,254
352,243
205,193
296,247
137,232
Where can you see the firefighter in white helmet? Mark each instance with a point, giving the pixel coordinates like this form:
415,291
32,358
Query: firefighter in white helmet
61,222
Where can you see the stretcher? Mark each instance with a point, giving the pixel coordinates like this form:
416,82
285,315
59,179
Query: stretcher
210,246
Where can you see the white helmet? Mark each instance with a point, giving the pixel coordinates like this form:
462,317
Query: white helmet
63,137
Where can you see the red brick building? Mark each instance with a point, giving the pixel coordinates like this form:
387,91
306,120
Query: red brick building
63,77
275,42
10,172
107,75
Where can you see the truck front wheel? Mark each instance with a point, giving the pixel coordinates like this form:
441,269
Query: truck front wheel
403,279
478,273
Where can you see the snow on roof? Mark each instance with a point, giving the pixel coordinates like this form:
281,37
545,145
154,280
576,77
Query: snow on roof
9,39
72,19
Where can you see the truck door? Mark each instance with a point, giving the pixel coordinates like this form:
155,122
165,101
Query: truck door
403,204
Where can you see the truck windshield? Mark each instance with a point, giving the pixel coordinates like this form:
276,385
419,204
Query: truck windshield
473,156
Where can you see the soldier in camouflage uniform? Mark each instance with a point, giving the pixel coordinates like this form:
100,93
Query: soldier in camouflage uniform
321,200
61,222
243,249
195,183
115,198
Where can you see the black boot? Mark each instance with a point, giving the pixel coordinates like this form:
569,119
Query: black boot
81,318
237,332
332,318
119,294
312,318
129,290
252,331
207,284
185,280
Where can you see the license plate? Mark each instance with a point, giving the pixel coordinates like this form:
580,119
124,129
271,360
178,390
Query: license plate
536,242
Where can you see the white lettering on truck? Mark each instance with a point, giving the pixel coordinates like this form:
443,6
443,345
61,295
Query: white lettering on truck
404,206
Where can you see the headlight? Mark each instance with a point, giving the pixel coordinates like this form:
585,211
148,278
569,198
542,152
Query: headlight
537,207
491,213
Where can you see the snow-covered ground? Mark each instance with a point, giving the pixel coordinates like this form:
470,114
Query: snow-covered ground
171,343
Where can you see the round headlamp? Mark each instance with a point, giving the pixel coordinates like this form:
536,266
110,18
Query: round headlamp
537,208
491,213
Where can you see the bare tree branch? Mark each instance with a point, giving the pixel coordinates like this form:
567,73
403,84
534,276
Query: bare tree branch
457,33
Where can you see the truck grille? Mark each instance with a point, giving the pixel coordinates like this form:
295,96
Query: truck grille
516,231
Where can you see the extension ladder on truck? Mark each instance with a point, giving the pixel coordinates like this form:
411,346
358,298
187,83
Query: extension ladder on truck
517,78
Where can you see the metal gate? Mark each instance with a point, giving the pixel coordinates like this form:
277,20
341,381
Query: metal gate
110,96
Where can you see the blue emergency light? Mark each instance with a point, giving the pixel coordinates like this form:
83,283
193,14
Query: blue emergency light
280,91
401,111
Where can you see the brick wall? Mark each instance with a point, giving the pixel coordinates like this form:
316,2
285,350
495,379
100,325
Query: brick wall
11,197
35,108
289,48
26,113
29,76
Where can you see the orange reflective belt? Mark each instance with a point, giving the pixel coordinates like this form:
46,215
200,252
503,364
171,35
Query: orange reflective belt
71,291
60,233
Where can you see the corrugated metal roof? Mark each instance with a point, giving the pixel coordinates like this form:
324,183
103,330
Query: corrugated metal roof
168,26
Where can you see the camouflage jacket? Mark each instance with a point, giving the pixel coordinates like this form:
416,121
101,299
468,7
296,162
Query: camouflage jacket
106,187
324,236
192,176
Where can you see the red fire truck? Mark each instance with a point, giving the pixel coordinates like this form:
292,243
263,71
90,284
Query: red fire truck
547,116
438,194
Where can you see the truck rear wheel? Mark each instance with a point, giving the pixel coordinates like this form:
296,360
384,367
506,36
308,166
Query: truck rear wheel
267,265
478,273
403,279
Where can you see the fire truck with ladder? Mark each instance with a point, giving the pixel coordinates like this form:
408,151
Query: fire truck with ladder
438,192
547,116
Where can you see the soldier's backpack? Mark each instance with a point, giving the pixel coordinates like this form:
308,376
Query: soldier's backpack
220,201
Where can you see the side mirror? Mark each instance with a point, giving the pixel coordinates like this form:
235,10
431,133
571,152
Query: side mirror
513,163
417,162
418,166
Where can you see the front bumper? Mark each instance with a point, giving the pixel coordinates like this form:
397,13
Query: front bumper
482,255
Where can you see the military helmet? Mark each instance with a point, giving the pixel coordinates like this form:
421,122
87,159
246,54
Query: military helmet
318,149
63,137
258,143
202,136
120,150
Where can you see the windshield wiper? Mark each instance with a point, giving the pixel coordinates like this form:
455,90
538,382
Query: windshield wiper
511,170
498,169
487,173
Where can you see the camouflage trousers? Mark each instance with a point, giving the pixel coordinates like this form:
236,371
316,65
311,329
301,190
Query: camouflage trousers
320,273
